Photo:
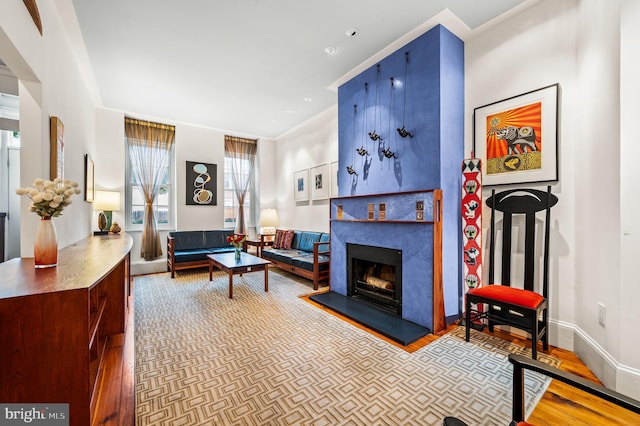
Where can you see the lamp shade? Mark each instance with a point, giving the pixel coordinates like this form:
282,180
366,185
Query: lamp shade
268,221
107,201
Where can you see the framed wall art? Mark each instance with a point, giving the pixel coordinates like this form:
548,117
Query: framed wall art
320,182
56,162
301,185
334,179
201,182
89,174
517,138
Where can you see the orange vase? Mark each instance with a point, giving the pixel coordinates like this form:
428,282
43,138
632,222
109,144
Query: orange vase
45,246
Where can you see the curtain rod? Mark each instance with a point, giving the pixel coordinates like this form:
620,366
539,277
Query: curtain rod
237,139
149,124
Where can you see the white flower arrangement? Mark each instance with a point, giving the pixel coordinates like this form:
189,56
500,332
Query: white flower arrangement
49,198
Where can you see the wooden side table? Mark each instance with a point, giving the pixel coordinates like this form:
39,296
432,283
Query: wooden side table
259,243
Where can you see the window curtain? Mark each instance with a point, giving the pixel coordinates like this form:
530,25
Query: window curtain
149,149
239,149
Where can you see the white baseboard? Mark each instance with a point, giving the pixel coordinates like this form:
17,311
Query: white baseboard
612,374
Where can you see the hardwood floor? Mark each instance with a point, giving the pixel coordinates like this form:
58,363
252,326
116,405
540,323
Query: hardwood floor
560,405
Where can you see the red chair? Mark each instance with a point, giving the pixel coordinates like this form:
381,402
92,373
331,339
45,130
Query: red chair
498,302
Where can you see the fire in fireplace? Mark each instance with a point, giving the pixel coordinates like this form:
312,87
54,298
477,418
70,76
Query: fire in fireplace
374,274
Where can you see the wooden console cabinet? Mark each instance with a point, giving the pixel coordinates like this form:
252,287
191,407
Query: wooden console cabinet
55,324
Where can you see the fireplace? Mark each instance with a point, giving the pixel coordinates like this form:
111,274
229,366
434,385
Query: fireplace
374,275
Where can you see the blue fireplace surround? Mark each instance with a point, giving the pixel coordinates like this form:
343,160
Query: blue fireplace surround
429,102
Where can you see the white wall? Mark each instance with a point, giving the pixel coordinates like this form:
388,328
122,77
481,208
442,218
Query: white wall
312,144
628,312
50,85
577,43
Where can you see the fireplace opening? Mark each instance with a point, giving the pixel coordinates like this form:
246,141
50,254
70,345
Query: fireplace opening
374,274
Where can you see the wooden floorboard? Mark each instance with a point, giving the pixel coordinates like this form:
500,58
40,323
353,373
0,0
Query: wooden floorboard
560,405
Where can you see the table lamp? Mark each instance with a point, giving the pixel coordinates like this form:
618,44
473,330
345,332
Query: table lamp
106,202
268,221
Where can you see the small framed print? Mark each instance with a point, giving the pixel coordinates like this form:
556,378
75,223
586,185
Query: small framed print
89,188
300,185
334,179
420,210
371,213
382,211
320,182
56,159
340,213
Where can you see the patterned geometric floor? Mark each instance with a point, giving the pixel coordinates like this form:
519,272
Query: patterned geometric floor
274,359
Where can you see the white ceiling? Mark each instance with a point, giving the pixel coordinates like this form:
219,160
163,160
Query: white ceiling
246,66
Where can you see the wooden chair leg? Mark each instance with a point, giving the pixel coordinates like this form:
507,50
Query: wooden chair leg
545,339
467,321
534,337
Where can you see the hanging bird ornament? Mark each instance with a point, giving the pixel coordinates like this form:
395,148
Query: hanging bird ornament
362,151
402,131
388,153
351,171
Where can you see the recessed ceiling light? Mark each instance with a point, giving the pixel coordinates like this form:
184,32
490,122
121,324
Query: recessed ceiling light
289,111
351,32
330,50
308,99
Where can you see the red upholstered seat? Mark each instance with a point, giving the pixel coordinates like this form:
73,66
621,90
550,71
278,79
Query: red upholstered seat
514,296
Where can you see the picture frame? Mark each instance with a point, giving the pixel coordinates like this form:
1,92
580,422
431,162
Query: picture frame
517,138
320,182
334,179
301,185
89,179
201,183
56,135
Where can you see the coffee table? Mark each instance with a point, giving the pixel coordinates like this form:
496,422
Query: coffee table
247,263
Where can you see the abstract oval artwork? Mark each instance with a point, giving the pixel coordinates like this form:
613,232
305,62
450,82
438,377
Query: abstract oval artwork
201,183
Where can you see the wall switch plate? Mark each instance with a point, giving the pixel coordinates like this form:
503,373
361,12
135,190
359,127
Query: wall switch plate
602,314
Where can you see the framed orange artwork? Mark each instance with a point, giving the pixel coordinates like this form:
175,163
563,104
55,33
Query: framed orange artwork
57,148
517,138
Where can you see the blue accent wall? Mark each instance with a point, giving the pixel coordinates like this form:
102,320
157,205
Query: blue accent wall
427,99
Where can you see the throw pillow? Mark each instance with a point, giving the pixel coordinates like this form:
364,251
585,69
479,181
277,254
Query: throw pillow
277,241
288,239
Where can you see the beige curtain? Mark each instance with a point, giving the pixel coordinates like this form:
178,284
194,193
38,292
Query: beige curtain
238,150
149,150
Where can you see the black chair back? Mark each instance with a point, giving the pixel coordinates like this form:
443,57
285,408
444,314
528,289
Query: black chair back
520,202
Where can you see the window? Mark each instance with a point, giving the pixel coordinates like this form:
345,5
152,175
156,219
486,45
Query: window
239,159
163,205
230,199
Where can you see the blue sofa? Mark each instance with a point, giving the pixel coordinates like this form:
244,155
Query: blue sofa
307,257
189,249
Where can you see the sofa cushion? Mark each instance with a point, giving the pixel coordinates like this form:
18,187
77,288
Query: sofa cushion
287,241
306,262
191,255
187,240
282,255
305,240
277,240
226,249
217,238
324,248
